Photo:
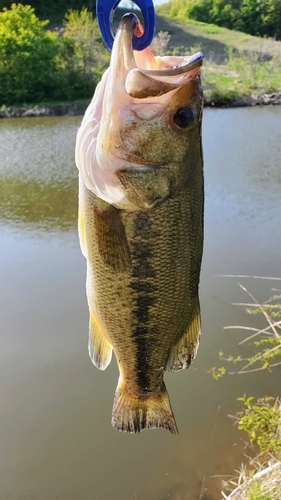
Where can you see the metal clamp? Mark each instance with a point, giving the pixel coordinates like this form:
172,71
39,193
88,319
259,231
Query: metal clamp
104,10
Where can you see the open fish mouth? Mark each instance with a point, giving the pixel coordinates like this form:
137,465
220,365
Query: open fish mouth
144,74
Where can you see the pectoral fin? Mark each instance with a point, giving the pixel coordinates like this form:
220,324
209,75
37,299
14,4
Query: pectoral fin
184,352
100,349
81,232
111,238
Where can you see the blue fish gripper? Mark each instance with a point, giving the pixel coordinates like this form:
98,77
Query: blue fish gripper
105,11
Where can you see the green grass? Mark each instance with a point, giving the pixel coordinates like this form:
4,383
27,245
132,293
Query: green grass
255,492
265,484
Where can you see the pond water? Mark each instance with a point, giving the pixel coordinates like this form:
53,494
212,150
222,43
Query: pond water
56,440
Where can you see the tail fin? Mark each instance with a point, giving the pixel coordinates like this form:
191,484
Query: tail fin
133,414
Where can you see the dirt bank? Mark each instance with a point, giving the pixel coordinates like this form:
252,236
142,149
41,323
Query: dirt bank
25,111
75,109
244,100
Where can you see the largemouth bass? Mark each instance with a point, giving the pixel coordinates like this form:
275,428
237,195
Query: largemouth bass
139,156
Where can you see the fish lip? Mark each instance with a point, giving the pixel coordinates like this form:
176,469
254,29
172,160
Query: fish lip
195,61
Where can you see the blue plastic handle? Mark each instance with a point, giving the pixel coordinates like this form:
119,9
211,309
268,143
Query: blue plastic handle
104,9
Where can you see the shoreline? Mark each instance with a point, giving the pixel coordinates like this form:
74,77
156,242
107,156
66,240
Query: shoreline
41,109
78,109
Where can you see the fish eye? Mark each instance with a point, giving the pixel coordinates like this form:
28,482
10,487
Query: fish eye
183,117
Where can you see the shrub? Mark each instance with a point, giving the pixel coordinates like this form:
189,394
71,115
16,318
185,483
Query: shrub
28,56
38,65
54,10
90,57
262,423
256,17
200,11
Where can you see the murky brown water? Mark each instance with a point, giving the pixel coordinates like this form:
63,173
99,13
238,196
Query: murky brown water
56,440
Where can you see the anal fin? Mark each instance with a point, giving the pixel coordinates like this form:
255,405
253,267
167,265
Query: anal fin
100,349
132,413
184,352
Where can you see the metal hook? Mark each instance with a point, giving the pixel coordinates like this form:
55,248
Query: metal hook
104,10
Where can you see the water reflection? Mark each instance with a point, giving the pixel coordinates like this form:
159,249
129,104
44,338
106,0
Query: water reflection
54,403
31,204
38,176
38,148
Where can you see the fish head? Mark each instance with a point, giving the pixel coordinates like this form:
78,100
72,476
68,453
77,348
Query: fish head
140,139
